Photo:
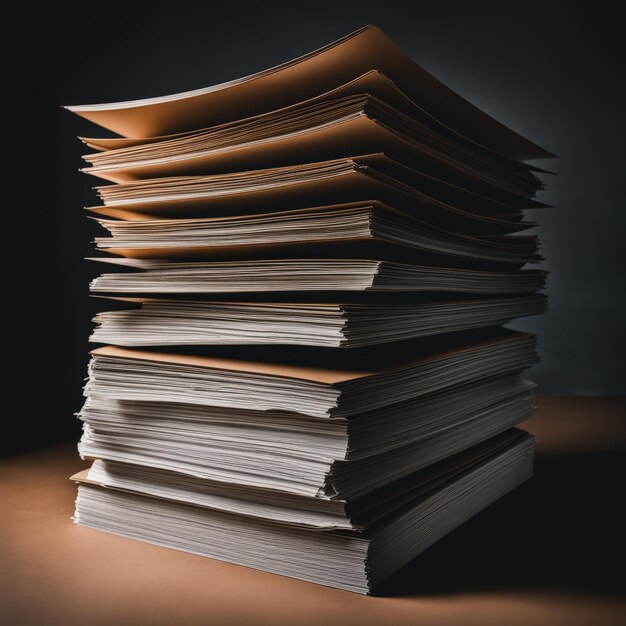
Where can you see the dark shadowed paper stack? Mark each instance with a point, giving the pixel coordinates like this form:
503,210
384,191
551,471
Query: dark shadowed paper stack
305,368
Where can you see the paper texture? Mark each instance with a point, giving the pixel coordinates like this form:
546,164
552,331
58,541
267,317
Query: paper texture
365,50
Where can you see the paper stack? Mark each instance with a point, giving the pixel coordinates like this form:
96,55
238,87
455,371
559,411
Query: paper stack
306,370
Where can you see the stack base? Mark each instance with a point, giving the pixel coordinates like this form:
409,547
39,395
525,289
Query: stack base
356,560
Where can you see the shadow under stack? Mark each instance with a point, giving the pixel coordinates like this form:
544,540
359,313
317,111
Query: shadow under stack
306,369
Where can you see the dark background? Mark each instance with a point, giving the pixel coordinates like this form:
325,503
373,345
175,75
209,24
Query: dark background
553,71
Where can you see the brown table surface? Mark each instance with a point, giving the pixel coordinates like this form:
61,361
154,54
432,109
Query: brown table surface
544,554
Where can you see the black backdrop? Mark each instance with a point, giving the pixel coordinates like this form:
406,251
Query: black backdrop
550,70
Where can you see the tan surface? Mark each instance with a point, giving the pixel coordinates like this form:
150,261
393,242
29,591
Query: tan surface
299,372
374,83
305,77
539,556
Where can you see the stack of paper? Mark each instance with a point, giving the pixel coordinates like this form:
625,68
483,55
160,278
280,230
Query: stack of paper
306,370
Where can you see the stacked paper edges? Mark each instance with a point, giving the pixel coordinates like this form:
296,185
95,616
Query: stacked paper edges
306,369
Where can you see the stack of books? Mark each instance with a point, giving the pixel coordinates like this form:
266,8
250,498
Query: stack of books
306,369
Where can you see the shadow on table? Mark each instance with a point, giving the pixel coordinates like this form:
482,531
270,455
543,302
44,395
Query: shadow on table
562,530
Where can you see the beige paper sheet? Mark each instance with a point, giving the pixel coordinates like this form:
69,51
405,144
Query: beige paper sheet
327,68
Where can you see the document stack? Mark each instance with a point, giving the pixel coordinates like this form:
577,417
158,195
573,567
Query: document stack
305,370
